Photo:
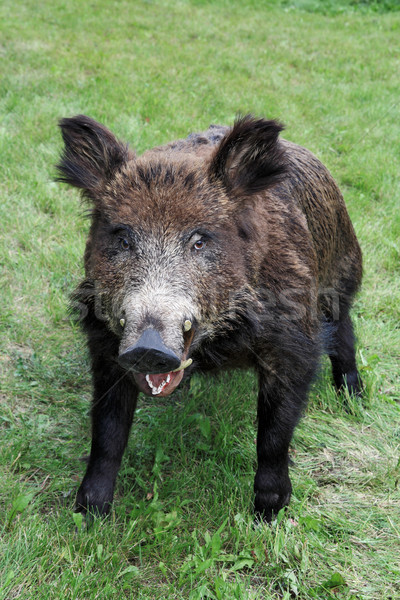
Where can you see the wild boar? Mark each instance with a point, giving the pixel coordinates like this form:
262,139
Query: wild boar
230,249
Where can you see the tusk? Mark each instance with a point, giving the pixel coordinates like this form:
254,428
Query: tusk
183,365
187,326
122,322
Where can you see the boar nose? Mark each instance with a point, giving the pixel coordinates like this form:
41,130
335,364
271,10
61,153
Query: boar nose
149,355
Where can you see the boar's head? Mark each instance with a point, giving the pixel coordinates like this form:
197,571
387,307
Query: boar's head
168,245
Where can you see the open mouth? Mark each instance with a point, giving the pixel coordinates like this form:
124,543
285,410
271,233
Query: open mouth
163,384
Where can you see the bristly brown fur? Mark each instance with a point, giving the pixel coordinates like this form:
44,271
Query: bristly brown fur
92,154
242,234
249,159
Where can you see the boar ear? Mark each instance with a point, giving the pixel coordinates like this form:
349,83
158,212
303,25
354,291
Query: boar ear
91,156
249,158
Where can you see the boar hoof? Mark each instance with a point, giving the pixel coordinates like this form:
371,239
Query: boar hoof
270,499
352,382
94,498
268,504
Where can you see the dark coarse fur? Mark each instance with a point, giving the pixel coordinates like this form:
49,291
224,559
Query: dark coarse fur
241,234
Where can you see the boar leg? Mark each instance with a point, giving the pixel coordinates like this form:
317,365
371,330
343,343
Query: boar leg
343,357
279,409
114,403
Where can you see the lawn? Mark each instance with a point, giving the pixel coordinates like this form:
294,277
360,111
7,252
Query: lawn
181,525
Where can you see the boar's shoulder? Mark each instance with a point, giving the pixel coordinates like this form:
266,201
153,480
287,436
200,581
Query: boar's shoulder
309,184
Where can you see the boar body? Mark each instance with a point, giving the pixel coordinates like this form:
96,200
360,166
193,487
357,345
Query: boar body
230,249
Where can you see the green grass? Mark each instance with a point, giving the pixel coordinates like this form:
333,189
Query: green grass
181,525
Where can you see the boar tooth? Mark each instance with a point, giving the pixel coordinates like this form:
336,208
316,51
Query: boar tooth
157,390
183,365
187,326
122,322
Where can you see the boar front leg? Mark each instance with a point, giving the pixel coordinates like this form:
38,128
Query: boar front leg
114,403
279,408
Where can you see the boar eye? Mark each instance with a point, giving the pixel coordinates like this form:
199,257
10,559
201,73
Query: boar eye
124,244
200,244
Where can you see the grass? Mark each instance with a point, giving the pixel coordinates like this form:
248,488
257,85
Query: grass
181,525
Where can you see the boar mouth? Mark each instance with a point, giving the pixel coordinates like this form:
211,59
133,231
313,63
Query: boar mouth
163,384
158,384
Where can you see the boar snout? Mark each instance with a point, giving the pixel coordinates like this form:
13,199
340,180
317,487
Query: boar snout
149,355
